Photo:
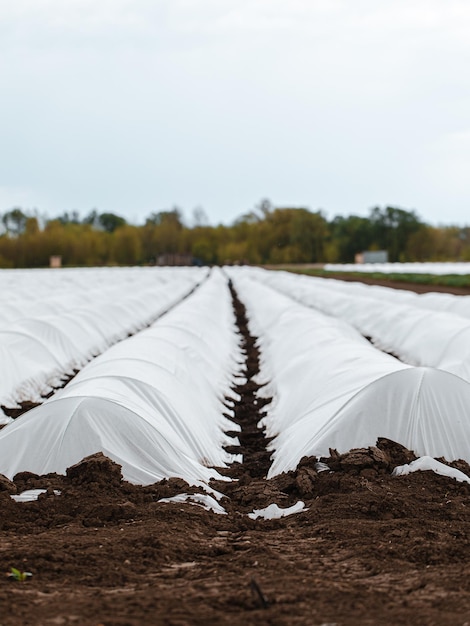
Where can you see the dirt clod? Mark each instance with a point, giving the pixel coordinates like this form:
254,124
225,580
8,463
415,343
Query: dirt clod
395,452
359,459
7,485
95,469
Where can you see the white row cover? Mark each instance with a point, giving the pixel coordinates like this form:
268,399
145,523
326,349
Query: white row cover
34,293
36,352
401,268
332,389
416,335
153,403
443,302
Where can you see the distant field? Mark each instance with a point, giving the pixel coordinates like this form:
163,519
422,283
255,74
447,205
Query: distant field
444,280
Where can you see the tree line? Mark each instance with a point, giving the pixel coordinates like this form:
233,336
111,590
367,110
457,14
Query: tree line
264,235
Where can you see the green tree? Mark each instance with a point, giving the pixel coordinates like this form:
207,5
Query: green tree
391,228
164,233
308,232
14,221
70,218
127,245
110,221
350,235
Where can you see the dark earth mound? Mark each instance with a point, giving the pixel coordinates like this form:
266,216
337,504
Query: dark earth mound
371,549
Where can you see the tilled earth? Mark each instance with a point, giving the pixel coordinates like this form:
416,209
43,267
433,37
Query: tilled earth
370,548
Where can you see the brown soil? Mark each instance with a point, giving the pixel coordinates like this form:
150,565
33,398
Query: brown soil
371,548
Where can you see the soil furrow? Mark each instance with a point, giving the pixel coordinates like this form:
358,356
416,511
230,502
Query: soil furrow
248,409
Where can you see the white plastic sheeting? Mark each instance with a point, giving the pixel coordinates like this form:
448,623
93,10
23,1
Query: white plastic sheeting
153,403
42,346
199,499
428,464
401,268
332,389
417,335
33,293
31,495
273,511
439,302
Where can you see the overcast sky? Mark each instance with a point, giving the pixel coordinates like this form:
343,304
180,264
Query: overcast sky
134,106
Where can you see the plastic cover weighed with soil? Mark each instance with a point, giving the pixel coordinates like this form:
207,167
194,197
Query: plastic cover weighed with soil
330,537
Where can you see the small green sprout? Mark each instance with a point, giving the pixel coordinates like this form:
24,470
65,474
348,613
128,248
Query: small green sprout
17,575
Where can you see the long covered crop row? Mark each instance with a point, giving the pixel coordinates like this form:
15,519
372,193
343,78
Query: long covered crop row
431,330
154,403
52,323
332,389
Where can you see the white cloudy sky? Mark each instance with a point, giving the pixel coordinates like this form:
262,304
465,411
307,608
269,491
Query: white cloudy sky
134,106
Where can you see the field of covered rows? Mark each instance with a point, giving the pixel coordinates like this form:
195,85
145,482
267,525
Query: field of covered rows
237,402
